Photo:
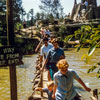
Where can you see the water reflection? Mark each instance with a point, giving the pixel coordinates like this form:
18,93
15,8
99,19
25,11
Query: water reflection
25,73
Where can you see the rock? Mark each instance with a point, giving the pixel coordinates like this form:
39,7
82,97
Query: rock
92,10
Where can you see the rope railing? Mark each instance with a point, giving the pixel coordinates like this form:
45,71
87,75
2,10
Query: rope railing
37,81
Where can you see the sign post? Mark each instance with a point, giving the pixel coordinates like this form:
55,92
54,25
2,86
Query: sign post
10,40
9,56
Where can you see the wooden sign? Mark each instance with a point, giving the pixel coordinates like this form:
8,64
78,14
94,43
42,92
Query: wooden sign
9,56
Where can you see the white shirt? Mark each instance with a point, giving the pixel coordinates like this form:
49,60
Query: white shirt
45,49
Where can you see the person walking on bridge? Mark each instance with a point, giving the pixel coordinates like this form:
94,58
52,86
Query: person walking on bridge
63,82
53,56
43,53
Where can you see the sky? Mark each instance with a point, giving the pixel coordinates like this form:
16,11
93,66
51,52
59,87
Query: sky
34,4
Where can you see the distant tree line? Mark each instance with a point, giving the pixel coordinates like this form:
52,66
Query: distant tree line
17,12
2,17
50,9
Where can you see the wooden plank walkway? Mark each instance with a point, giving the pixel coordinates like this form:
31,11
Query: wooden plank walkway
37,94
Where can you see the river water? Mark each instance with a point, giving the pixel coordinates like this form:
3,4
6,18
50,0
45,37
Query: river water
25,73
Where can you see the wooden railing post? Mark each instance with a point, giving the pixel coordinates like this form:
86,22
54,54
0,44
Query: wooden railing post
41,82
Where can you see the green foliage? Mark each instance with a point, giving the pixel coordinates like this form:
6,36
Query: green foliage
50,18
25,45
91,69
98,73
68,38
18,26
3,40
89,36
62,31
3,27
79,47
18,11
0,44
31,14
91,49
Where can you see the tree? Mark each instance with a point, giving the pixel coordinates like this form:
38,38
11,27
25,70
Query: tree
18,10
46,6
23,13
27,16
31,12
42,16
3,17
61,12
38,16
53,7
56,7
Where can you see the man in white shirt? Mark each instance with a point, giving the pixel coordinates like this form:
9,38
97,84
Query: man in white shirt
43,52
45,48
